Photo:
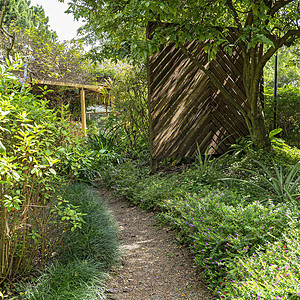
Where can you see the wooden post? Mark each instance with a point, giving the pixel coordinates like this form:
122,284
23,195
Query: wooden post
83,115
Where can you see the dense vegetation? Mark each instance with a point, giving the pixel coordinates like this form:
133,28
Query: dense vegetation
40,217
257,28
81,270
239,213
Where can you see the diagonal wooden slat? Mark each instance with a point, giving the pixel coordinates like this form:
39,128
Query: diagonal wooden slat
186,109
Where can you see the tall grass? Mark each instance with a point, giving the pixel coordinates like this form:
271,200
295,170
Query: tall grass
89,253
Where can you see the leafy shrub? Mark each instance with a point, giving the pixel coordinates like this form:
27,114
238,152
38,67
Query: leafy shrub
33,218
125,178
288,108
129,122
221,225
283,184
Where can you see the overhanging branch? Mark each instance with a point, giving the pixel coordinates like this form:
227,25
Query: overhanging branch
278,43
278,5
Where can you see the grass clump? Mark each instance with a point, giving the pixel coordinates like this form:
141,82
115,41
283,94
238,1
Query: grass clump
71,280
89,253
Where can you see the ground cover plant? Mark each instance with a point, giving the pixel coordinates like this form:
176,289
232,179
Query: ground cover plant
231,226
90,252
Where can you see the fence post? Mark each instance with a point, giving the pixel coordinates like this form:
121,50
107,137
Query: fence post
83,114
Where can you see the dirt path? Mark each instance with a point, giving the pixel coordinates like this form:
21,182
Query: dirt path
153,265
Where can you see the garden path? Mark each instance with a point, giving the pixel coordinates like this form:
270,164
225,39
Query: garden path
153,266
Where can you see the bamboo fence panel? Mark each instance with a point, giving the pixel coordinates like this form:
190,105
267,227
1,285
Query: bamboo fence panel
186,109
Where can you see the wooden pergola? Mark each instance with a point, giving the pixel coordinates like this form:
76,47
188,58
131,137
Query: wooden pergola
95,88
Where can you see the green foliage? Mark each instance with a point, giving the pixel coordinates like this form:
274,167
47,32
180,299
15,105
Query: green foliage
49,59
112,69
242,146
124,134
129,122
80,162
75,280
123,23
97,239
90,252
20,12
288,108
34,142
282,183
203,163
288,68
43,56
67,212
105,148
259,35
221,225
269,274
89,160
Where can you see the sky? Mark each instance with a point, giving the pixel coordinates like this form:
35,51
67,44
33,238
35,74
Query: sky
64,24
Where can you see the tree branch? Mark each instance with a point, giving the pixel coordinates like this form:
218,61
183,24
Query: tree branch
278,5
278,43
235,14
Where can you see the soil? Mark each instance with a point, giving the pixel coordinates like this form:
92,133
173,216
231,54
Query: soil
154,265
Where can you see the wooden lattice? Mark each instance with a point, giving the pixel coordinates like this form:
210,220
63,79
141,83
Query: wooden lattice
186,109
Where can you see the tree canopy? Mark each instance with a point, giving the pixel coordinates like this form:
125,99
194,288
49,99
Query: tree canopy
43,56
272,23
21,13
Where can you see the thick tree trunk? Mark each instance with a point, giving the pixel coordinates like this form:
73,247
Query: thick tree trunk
258,131
255,119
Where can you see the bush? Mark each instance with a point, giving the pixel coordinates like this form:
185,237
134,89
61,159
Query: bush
288,108
33,214
128,123
221,224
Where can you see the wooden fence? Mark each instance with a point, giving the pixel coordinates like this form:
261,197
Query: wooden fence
186,109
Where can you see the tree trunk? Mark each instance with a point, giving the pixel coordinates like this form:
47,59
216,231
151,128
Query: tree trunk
258,131
255,120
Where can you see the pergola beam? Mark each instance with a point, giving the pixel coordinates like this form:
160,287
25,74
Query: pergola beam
95,88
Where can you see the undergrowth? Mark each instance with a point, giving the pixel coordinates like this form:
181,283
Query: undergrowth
230,225
89,253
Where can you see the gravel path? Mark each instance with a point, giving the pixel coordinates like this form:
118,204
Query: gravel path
153,265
